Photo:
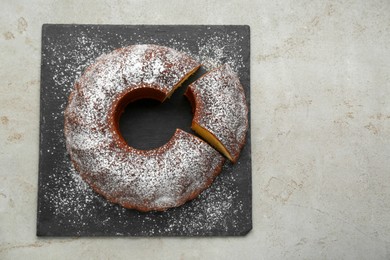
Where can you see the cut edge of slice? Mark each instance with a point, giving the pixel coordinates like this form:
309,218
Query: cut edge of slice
189,74
211,139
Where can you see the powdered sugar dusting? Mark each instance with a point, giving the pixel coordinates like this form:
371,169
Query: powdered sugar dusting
221,49
147,180
159,66
213,214
215,50
72,198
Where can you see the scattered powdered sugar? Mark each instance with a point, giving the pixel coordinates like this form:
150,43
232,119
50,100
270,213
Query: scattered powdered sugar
77,54
74,203
218,212
216,50
72,197
221,49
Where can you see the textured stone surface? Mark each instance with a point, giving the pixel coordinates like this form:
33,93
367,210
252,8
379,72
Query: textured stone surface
320,128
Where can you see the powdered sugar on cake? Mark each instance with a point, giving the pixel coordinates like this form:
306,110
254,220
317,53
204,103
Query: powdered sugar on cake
146,180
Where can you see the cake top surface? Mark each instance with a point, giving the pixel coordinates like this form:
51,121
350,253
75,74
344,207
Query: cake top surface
152,179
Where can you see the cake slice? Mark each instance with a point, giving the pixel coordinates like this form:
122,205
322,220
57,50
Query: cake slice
220,110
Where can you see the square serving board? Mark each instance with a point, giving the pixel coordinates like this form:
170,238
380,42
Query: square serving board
66,205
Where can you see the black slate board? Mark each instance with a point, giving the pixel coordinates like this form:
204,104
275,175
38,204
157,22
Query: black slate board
66,205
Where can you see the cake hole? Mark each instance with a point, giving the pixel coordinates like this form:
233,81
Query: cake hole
147,124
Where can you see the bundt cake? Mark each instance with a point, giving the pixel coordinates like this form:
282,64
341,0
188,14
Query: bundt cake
220,110
155,179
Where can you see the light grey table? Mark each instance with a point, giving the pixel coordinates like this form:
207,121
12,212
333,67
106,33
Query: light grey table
320,128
